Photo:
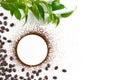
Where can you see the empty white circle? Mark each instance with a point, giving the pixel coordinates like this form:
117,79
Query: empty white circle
32,49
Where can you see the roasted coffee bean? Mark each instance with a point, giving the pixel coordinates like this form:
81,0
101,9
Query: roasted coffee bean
12,24
64,70
54,77
5,17
56,67
1,14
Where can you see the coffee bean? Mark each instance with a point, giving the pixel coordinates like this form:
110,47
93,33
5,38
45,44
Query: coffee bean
48,65
4,38
39,70
23,69
4,63
0,22
32,76
11,58
54,77
5,23
2,27
9,41
5,17
56,67
64,70
40,78
21,77
15,76
12,24
7,29
27,74
34,72
14,70
46,68
46,77
1,14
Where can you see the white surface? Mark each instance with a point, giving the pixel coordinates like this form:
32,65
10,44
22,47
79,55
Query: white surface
92,40
32,49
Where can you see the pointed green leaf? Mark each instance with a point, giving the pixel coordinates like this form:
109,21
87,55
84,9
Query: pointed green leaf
58,1
41,11
20,5
17,14
11,1
35,11
67,14
7,6
11,12
57,21
57,6
49,18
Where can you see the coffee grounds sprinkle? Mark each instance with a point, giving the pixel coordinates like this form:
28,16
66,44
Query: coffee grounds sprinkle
8,68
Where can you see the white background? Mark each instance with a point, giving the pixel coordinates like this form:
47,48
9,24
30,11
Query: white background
92,36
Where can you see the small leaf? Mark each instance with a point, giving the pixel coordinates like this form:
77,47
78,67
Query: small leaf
20,5
35,11
58,1
67,14
57,6
47,6
7,6
17,14
11,12
49,18
57,21
11,1
41,11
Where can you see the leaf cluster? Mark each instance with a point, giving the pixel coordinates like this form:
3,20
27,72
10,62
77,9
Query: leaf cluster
41,9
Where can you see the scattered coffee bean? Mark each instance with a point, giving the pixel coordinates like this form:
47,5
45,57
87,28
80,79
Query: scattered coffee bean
0,22
5,17
46,77
9,41
4,38
34,72
12,24
7,29
21,77
5,23
27,74
64,70
54,77
56,67
23,69
11,58
1,14
40,78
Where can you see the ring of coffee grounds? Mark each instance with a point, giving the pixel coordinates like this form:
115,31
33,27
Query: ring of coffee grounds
10,66
40,35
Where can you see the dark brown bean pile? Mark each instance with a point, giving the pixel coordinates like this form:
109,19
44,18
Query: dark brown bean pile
7,69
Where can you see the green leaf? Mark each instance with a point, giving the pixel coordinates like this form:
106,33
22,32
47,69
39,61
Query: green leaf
41,11
11,1
67,14
35,11
11,12
20,5
49,9
57,21
58,1
49,18
7,6
17,14
57,6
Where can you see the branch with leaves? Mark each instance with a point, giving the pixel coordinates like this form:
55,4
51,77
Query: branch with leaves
41,9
